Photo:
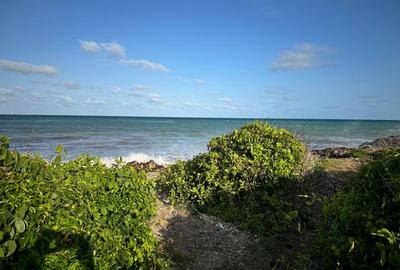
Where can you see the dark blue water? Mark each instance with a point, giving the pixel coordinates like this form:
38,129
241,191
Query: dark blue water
166,139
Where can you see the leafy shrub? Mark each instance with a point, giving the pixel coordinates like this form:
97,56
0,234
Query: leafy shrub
364,218
76,215
242,177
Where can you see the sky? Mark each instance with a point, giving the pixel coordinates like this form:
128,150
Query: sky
238,58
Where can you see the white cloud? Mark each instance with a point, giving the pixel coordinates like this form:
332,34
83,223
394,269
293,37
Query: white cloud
65,84
90,46
3,99
115,90
90,101
52,90
117,50
6,92
199,82
141,91
301,56
145,64
19,88
36,99
64,100
228,107
71,85
114,49
190,104
27,68
154,98
225,99
140,88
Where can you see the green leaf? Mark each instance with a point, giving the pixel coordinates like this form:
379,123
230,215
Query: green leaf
103,210
59,149
1,235
1,253
352,246
19,225
11,246
383,257
8,158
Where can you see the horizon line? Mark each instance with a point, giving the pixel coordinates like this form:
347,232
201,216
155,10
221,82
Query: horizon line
202,117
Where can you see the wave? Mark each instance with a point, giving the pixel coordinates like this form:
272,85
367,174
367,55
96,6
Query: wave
140,157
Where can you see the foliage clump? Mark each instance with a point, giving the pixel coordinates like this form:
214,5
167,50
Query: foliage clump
363,219
77,215
243,177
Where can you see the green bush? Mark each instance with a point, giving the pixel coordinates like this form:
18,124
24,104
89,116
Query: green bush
243,177
363,219
76,215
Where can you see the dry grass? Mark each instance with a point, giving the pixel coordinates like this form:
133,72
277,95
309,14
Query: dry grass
199,241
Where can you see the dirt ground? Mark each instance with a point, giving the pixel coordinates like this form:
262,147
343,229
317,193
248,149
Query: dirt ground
199,241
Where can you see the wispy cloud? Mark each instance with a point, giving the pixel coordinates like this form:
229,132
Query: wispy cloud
19,88
71,85
90,101
27,68
281,96
64,100
145,64
147,93
37,99
65,84
139,90
115,90
301,56
199,82
154,98
372,100
225,99
5,92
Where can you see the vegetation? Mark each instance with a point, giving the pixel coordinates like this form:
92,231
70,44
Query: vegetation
245,177
76,215
364,218
81,214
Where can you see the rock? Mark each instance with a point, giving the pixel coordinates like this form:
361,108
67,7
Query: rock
151,165
381,143
220,226
337,152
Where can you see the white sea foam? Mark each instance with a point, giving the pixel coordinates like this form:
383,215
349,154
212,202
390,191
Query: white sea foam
140,157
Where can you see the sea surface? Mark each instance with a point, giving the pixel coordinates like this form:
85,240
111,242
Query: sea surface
167,139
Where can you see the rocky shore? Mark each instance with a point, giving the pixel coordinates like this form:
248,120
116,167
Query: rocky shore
361,151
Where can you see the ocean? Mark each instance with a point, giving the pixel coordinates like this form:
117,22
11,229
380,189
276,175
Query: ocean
167,139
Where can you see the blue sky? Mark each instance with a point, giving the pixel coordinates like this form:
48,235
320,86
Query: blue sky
238,58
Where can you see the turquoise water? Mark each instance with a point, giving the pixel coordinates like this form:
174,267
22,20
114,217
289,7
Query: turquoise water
166,139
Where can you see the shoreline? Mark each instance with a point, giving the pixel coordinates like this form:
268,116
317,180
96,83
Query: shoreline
341,152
